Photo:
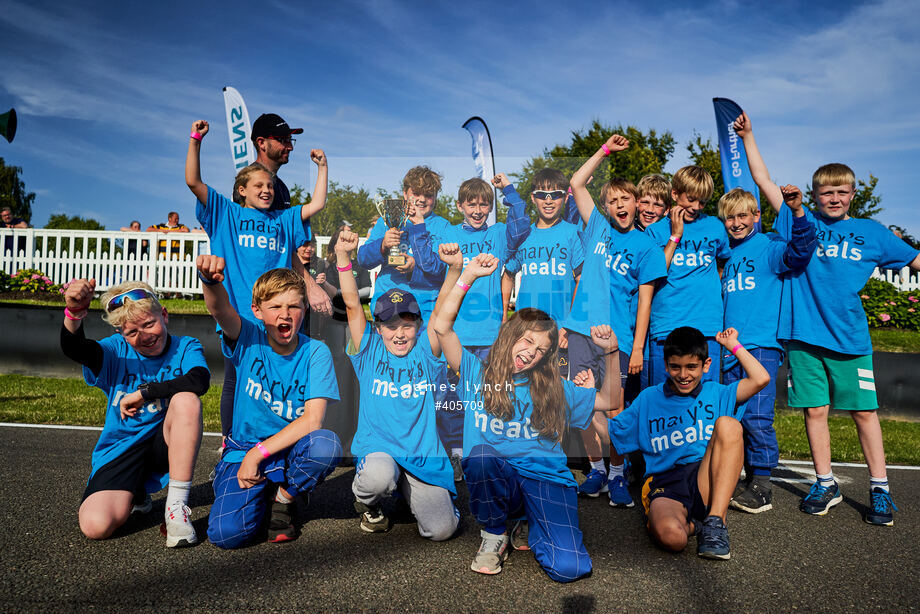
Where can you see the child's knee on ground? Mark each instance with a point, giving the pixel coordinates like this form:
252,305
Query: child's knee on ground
667,524
101,515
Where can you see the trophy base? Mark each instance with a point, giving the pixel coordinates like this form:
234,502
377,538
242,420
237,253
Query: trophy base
396,260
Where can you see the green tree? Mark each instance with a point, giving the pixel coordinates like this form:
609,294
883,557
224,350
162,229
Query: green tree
647,154
61,221
13,192
343,203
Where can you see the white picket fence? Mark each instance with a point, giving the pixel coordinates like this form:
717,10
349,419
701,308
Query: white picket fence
111,257
63,255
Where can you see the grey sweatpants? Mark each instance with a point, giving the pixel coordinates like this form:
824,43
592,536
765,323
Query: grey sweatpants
378,475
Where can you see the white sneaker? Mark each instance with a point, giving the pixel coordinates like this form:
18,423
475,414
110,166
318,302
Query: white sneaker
492,553
179,529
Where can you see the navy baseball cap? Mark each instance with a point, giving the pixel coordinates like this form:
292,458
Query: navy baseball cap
396,302
269,124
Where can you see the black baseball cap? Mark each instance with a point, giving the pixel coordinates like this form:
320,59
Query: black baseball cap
269,124
396,302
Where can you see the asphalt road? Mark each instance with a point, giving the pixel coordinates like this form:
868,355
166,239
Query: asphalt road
782,560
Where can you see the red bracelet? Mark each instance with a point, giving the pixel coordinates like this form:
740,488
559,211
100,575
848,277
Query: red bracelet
460,284
736,348
71,316
196,136
342,269
606,150
262,449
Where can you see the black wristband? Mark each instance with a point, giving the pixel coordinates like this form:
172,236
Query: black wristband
207,282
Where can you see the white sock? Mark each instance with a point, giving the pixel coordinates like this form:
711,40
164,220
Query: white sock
825,480
879,483
177,493
282,499
599,466
616,470
458,452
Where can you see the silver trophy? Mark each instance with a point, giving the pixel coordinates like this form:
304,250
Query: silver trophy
394,212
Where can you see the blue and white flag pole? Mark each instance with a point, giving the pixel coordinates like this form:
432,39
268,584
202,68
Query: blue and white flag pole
239,128
735,170
483,160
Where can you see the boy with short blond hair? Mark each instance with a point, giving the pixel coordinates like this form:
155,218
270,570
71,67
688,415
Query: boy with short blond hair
621,268
654,200
152,431
825,326
691,295
752,280
276,447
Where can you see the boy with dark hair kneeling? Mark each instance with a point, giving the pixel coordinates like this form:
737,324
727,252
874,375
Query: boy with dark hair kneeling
690,436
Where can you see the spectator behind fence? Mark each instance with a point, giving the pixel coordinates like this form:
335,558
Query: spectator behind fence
172,225
8,221
131,244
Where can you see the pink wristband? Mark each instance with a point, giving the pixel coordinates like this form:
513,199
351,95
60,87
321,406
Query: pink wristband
196,136
606,149
676,239
736,348
460,284
262,449
70,315
342,269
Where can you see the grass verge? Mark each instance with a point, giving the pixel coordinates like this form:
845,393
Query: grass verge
895,340
41,400
173,305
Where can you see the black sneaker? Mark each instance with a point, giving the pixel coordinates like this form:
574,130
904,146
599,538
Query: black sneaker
281,522
820,499
756,498
882,508
373,519
740,487
712,542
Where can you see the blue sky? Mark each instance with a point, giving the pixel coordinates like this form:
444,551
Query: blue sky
106,91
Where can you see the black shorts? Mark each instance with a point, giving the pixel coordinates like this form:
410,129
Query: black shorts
679,484
133,468
583,355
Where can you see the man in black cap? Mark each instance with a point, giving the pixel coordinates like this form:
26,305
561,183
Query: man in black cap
271,137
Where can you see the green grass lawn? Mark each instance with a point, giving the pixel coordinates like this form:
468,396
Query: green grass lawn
895,340
173,305
41,400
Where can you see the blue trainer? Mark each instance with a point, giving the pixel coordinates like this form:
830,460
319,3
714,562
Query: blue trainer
619,493
882,506
820,499
594,484
712,542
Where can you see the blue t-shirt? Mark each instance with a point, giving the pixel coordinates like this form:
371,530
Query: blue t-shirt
424,287
272,390
692,293
752,286
515,439
616,264
251,241
123,370
396,413
825,308
548,261
480,314
670,429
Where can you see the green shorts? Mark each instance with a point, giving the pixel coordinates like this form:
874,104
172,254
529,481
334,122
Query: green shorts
818,377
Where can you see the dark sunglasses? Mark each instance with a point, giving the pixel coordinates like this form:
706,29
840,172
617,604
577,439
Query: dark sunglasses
286,140
137,294
544,195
